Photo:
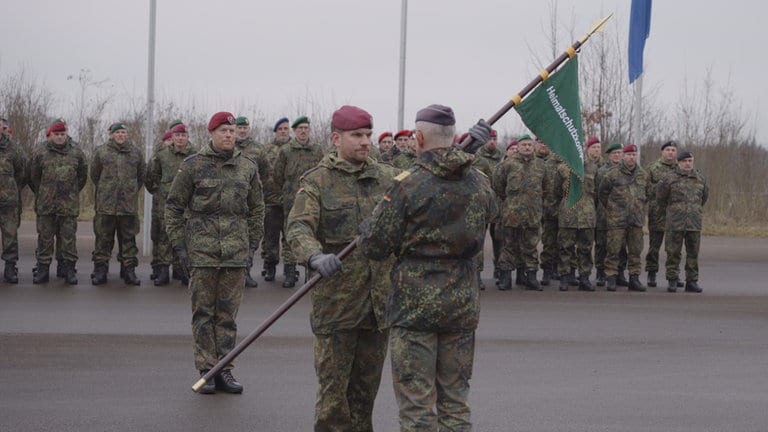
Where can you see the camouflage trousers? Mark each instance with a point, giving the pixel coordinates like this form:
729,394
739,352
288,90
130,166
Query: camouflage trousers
59,229
9,229
287,253
655,239
510,250
575,245
520,249
549,249
348,366
616,239
162,250
125,227
674,245
497,241
216,294
432,371
274,234
601,237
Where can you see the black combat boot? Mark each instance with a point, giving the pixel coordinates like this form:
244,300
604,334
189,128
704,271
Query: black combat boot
11,273
249,281
680,284
496,274
584,283
600,277
291,275
227,383
672,285
505,280
634,283
163,276
621,280
42,274
652,279
176,273
546,276
99,275
610,282
155,271
209,387
531,283
60,268
572,280
122,271
692,287
70,273
520,276
480,283
563,282
130,276
270,268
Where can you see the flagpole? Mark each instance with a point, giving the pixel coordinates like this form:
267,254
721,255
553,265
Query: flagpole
637,115
543,75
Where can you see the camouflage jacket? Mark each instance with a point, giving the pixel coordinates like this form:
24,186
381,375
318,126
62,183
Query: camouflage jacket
12,172
273,194
656,173
250,148
374,153
582,214
162,169
404,160
523,191
601,221
683,195
225,208
292,161
118,174
56,176
433,219
334,198
549,192
486,160
623,194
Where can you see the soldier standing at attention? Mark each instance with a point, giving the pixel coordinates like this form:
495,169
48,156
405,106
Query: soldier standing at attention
594,151
12,177
434,220
274,218
58,172
347,317
407,153
161,171
683,194
601,227
117,171
656,215
549,248
623,194
222,192
486,160
250,148
293,160
510,247
385,146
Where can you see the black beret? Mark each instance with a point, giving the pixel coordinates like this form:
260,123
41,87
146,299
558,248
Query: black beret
437,114
684,155
670,143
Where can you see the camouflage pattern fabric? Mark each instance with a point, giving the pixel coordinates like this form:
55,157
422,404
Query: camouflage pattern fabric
527,240
550,253
12,178
510,257
683,195
674,246
630,237
523,191
105,228
223,196
274,216
118,173
9,228
623,192
250,148
601,222
293,160
582,214
486,161
575,246
348,366
62,229
56,176
429,367
216,295
601,240
404,159
273,193
656,215
375,153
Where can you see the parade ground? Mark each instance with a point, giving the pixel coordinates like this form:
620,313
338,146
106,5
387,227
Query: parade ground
119,358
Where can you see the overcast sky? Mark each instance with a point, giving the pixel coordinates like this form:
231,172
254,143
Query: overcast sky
258,57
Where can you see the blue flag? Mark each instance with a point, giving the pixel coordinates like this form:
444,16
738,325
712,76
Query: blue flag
639,29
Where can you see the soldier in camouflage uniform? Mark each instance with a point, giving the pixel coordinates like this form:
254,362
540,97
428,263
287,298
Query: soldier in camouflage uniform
522,212
510,247
274,218
656,215
486,159
434,220
347,314
250,148
683,194
594,151
406,153
601,227
576,226
117,171
386,142
623,193
58,172
161,170
220,189
12,178
549,257
293,160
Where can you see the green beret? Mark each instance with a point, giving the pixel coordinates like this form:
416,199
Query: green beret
242,121
612,147
114,127
524,137
298,121
174,123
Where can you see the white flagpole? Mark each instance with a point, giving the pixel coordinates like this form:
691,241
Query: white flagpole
401,87
145,246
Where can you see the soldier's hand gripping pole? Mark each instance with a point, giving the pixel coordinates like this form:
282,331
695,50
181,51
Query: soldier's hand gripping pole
239,348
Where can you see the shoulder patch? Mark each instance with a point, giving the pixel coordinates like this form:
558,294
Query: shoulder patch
403,175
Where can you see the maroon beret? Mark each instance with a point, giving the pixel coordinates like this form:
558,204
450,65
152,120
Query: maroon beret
58,127
437,114
629,148
384,135
168,135
494,133
592,140
404,132
220,118
512,143
179,128
351,117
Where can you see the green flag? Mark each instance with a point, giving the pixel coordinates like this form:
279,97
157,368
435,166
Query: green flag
552,112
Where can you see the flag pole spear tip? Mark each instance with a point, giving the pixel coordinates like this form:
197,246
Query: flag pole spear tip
598,27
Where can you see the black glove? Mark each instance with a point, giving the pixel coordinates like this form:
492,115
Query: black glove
183,256
365,226
326,264
480,133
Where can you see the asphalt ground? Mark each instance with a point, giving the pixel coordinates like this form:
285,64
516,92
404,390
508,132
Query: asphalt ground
119,358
